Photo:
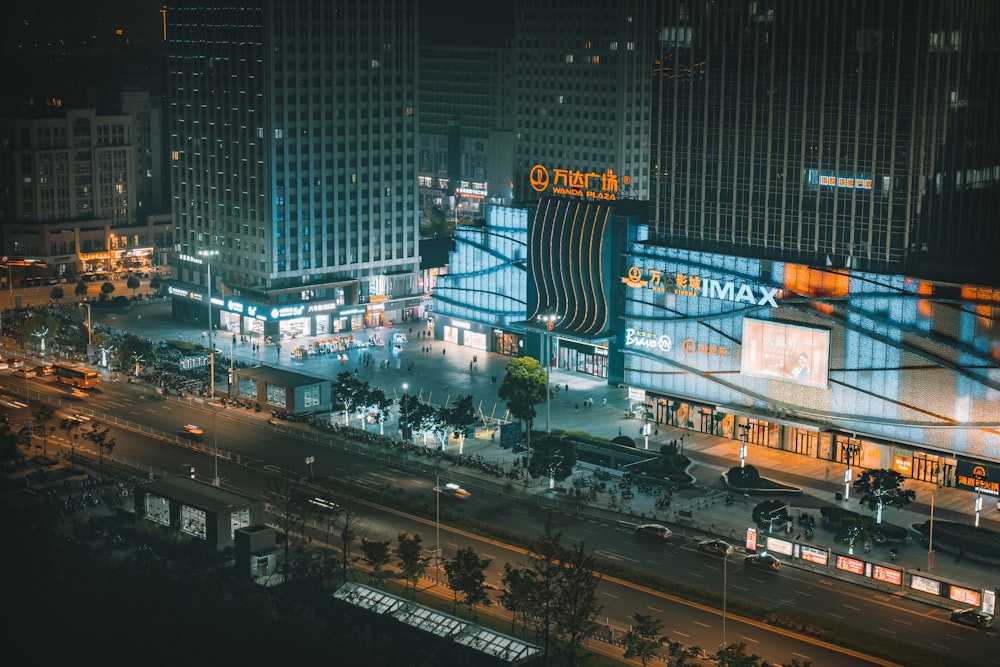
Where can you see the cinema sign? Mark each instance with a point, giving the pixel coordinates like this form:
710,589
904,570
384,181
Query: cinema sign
683,284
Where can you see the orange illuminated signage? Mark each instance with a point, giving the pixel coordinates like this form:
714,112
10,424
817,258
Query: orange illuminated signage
852,565
572,183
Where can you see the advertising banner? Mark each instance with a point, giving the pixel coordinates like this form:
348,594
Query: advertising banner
813,555
887,574
787,352
852,565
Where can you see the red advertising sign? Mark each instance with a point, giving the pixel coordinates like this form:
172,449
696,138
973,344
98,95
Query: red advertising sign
751,539
852,565
965,596
887,574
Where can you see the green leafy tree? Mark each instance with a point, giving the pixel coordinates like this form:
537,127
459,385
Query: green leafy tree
537,585
735,655
133,283
553,457
350,390
644,638
459,419
517,596
288,504
412,563
98,436
350,522
107,289
56,293
769,513
576,607
467,579
40,327
73,428
81,289
43,421
133,347
376,556
882,488
155,282
852,531
522,388
380,405
8,442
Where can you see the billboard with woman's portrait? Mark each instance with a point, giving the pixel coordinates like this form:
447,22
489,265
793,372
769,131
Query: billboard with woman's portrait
787,352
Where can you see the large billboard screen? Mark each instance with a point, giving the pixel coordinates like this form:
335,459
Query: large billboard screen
788,352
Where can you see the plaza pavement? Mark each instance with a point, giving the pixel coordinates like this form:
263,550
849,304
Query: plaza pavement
438,372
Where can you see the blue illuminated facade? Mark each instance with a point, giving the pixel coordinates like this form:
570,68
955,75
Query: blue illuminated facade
903,373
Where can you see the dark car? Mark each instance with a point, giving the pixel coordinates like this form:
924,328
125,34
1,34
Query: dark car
715,547
653,530
762,560
972,617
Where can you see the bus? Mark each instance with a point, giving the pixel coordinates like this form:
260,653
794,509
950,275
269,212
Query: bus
76,375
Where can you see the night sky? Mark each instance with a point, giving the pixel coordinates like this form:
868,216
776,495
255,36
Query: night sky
460,22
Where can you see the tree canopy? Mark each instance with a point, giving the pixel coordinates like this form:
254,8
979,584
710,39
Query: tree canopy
882,488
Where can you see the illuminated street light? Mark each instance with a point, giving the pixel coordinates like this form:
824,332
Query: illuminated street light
208,254
549,319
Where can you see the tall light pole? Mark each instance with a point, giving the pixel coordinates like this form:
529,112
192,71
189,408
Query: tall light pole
90,338
208,254
215,435
550,320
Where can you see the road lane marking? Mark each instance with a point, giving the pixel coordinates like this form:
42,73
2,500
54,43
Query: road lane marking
852,608
651,608
750,639
704,625
891,632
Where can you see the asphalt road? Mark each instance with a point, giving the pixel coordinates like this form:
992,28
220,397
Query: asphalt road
148,429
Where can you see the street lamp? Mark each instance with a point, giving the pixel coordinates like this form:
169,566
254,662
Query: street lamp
90,341
743,447
404,406
550,320
208,254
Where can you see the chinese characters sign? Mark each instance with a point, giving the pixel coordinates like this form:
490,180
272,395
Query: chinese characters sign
788,352
567,182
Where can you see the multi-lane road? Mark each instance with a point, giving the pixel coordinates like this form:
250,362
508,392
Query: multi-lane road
149,429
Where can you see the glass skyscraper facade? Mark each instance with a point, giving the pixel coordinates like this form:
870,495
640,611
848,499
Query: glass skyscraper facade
855,135
293,143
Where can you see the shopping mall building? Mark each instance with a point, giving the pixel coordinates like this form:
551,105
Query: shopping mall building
877,371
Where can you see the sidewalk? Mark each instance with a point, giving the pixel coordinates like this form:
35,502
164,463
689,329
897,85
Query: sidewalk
443,371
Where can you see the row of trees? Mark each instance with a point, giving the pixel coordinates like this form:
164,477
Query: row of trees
457,418
41,425
57,293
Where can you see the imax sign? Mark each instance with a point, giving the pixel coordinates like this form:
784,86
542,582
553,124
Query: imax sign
726,291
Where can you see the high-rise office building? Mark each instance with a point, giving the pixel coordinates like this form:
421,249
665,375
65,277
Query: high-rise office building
294,180
466,127
582,89
855,135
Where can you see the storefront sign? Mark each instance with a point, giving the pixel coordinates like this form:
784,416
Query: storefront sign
590,185
964,596
691,346
887,574
978,477
635,338
813,555
903,465
683,284
852,565
636,394
925,585
287,311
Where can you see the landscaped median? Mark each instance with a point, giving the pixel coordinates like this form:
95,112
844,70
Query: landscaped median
747,480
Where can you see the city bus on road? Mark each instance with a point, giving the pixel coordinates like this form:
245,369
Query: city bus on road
76,375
